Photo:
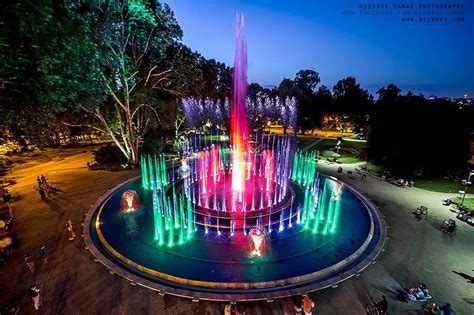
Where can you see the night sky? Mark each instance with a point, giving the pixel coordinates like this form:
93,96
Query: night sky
433,58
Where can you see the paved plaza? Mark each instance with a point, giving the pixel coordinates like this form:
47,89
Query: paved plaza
72,283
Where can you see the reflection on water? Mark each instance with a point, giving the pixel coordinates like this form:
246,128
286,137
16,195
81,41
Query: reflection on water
131,222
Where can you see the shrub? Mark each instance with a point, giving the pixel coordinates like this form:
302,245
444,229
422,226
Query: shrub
109,154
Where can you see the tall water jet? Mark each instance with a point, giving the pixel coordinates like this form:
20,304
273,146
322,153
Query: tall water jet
238,124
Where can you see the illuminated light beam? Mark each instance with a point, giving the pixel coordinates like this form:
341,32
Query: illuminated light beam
329,216
239,128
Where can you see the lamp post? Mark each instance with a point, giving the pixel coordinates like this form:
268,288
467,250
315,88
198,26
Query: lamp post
338,146
466,182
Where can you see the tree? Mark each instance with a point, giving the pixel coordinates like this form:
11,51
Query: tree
323,103
217,79
412,135
390,94
121,57
307,81
118,62
24,26
255,90
350,99
302,88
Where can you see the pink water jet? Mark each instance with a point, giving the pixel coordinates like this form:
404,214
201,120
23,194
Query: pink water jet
238,124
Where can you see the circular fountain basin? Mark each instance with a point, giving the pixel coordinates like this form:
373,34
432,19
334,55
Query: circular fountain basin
222,267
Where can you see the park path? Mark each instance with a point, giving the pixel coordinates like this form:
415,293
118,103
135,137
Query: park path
72,283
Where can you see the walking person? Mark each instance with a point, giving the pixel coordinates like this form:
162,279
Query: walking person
6,199
6,196
35,295
228,309
69,229
30,263
42,193
447,309
44,254
308,305
298,308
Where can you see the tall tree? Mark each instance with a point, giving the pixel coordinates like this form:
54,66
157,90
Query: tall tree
390,94
352,100
307,81
303,88
350,97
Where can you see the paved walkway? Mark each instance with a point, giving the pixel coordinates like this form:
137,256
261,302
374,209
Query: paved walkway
416,250
72,283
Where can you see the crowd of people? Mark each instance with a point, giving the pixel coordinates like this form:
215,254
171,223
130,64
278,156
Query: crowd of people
415,293
419,293
10,238
9,230
44,188
435,309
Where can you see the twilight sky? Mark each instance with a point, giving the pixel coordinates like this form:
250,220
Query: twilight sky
373,45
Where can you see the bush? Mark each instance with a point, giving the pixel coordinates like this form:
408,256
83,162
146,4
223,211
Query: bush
153,146
109,154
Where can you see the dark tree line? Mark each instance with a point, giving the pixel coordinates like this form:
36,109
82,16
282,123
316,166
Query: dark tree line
412,135
409,134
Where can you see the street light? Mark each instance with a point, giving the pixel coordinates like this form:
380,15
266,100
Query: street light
466,182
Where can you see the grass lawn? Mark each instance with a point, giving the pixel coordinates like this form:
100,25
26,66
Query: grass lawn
468,202
346,144
344,158
438,185
326,145
349,159
304,141
374,168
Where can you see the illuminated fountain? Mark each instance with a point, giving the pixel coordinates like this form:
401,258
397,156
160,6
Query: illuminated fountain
130,201
242,214
226,188
238,125
257,236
